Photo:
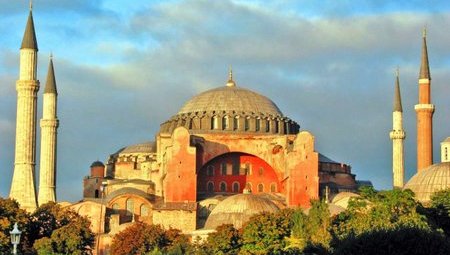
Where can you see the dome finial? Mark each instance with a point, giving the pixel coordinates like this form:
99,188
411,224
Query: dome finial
230,82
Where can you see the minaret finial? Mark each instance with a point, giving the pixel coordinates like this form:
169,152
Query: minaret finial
31,5
51,55
397,72
424,32
230,82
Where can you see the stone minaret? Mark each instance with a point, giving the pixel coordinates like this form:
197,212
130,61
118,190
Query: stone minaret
49,124
424,110
23,182
397,136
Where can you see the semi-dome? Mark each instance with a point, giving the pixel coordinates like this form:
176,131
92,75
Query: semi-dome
231,108
238,209
430,180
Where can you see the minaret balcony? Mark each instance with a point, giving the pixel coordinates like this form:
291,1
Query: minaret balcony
424,107
397,134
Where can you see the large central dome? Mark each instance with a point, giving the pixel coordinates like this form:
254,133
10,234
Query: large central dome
231,98
231,109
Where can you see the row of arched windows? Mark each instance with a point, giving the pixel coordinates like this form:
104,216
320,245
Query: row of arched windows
235,187
258,121
144,209
234,168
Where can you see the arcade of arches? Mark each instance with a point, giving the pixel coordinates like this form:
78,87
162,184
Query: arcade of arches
233,172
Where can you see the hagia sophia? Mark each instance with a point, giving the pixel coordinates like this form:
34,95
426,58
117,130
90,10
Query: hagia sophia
227,154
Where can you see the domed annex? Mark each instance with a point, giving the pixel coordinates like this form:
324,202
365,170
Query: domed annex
430,180
238,209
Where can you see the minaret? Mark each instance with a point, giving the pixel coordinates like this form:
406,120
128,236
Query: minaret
49,124
424,110
397,136
23,182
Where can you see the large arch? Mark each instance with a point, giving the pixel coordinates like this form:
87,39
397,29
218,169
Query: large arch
235,169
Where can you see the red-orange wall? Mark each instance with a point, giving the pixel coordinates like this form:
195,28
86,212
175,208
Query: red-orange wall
267,177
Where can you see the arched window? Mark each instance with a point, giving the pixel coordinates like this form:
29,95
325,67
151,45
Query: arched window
115,208
248,168
236,187
267,125
261,170
225,122
223,187
273,187
144,210
260,187
277,126
235,123
210,170
215,122
247,124
96,193
130,206
203,213
210,187
258,124
248,186
223,168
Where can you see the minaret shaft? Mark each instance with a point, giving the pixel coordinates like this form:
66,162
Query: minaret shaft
49,124
397,136
424,112
23,183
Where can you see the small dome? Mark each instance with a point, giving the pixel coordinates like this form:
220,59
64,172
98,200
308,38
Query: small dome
229,99
238,209
430,180
97,163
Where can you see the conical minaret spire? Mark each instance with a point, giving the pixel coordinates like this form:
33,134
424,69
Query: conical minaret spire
49,124
397,136
424,66
23,182
397,97
424,111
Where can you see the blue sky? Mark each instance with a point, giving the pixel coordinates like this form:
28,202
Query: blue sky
124,67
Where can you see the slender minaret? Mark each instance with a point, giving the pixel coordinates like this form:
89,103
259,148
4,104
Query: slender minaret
424,110
49,124
23,182
397,136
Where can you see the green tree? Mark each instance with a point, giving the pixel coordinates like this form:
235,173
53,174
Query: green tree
141,238
73,238
10,213
408,240
379,210
266,233
226,240
311,232
439,210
